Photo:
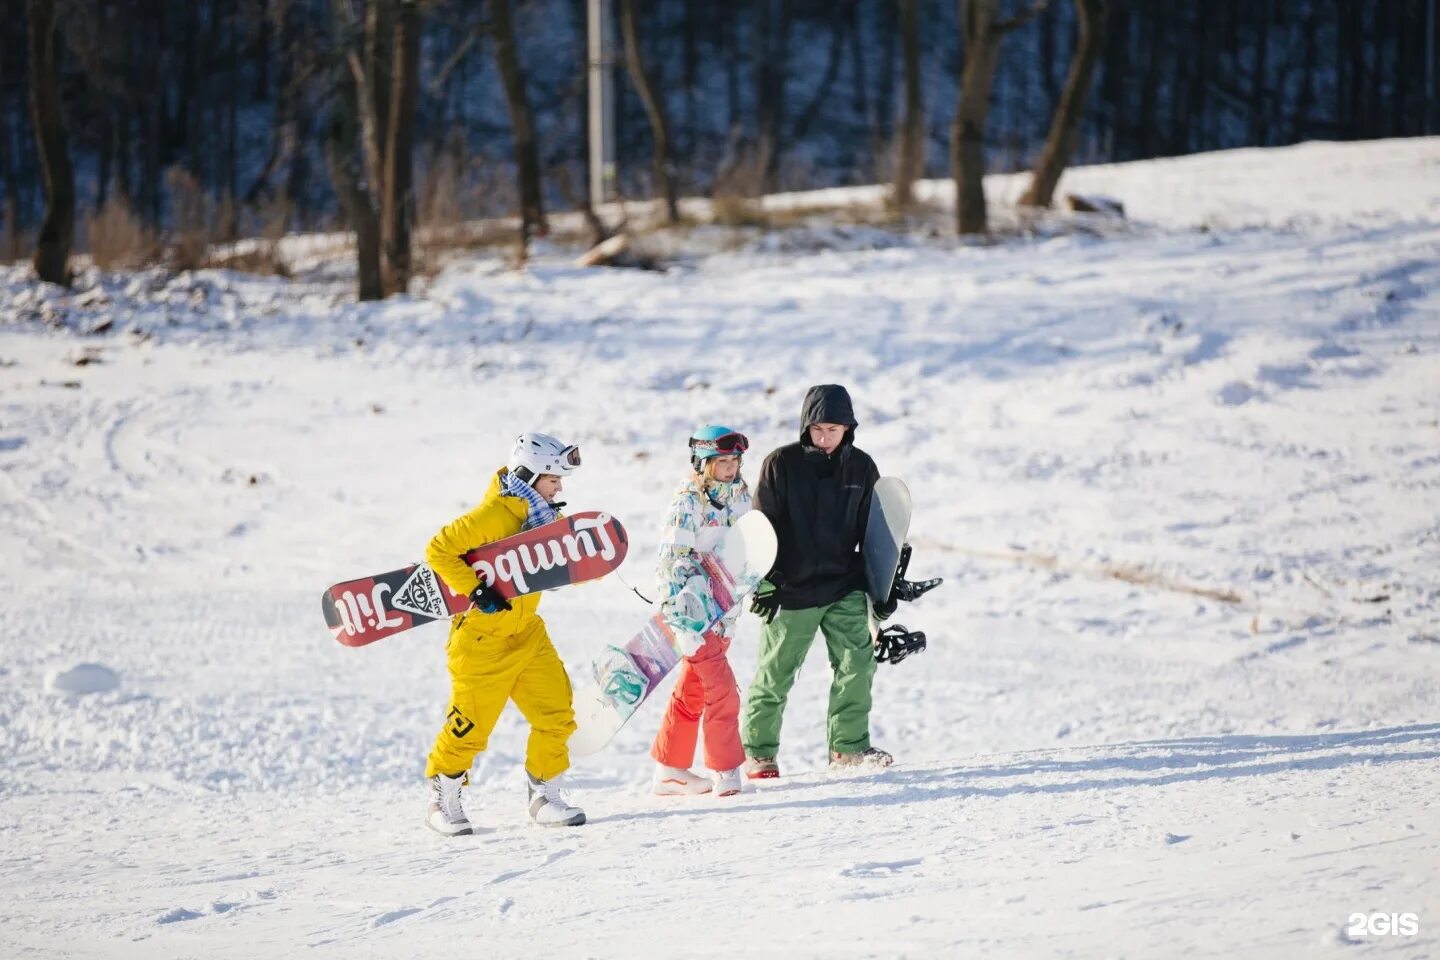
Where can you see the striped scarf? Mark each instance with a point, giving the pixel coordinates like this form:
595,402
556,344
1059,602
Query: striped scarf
540,513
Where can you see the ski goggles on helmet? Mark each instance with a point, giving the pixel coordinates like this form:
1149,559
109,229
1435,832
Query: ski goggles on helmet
725,445
571,455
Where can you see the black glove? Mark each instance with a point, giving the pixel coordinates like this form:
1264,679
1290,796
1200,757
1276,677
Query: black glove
883,611
488,600
766,604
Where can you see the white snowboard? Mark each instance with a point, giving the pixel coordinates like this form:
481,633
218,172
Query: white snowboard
622,678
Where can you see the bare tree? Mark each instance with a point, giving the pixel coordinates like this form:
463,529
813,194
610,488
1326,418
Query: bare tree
372,76
840,21
983,30
910,163
771,46
57,233
522,119
355,183
1061,143
375,105
663,159
10,206
398,209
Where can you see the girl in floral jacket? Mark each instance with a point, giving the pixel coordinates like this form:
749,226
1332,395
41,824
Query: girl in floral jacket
705,693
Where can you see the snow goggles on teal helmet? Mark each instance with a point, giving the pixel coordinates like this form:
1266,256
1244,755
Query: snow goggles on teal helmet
713,440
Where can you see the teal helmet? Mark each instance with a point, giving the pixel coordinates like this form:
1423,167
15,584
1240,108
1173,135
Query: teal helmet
714,440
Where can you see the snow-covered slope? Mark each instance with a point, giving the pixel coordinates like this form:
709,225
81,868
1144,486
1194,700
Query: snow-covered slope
1183,688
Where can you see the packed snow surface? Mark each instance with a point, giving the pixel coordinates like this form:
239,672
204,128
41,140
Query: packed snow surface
1182,693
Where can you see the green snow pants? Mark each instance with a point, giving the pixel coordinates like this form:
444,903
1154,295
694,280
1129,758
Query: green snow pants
786,640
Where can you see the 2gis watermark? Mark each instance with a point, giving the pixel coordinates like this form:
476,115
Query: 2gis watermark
1364,925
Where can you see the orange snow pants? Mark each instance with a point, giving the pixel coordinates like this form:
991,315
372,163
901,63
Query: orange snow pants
705,694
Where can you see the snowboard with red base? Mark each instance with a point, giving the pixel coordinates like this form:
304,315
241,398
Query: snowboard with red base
623,677
573,549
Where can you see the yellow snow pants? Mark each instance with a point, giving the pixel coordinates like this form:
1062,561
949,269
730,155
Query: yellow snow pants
485,671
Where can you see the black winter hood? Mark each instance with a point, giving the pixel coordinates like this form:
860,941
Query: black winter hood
827,403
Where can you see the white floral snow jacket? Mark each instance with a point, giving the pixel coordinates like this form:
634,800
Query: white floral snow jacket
694,525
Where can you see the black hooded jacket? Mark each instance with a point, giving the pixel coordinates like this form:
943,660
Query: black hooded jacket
819,505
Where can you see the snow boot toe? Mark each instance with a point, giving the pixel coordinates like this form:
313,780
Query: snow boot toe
677,782
762,768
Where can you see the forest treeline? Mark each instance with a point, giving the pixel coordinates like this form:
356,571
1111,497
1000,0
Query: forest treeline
179,123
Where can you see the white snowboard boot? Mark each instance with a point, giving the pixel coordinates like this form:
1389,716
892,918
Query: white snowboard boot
727,782
677,782
446,814
548,808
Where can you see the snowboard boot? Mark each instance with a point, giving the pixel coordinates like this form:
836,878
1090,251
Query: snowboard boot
762,768
547,807
727,782
446,815
870,757
676,782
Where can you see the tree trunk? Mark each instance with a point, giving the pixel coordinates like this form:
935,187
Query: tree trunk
231,227
1355,48
261,90
811,111
1259,83
910,163
730,51
1060,144
522,119
107,158
57,233
972,109
1048,82
1377,43
885,80
772,41
296,181
761,43
379,35
1117,69
859,97
398,208
1199,83
123,181
1150,92
342,151
212,96
662,158
690,59
188,116
10,210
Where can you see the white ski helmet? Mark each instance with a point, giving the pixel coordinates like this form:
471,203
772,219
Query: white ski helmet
536,454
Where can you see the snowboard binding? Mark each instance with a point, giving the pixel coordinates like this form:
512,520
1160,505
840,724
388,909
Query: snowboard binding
895,643
902,589
910,590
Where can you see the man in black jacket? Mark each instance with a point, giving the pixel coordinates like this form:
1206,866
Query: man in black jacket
816,493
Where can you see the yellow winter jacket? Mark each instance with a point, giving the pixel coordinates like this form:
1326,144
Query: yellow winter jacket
496,517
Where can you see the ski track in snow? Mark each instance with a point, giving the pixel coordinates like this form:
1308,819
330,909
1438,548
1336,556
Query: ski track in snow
1182,684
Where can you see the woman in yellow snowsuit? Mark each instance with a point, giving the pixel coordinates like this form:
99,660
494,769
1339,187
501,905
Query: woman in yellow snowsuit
499,650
